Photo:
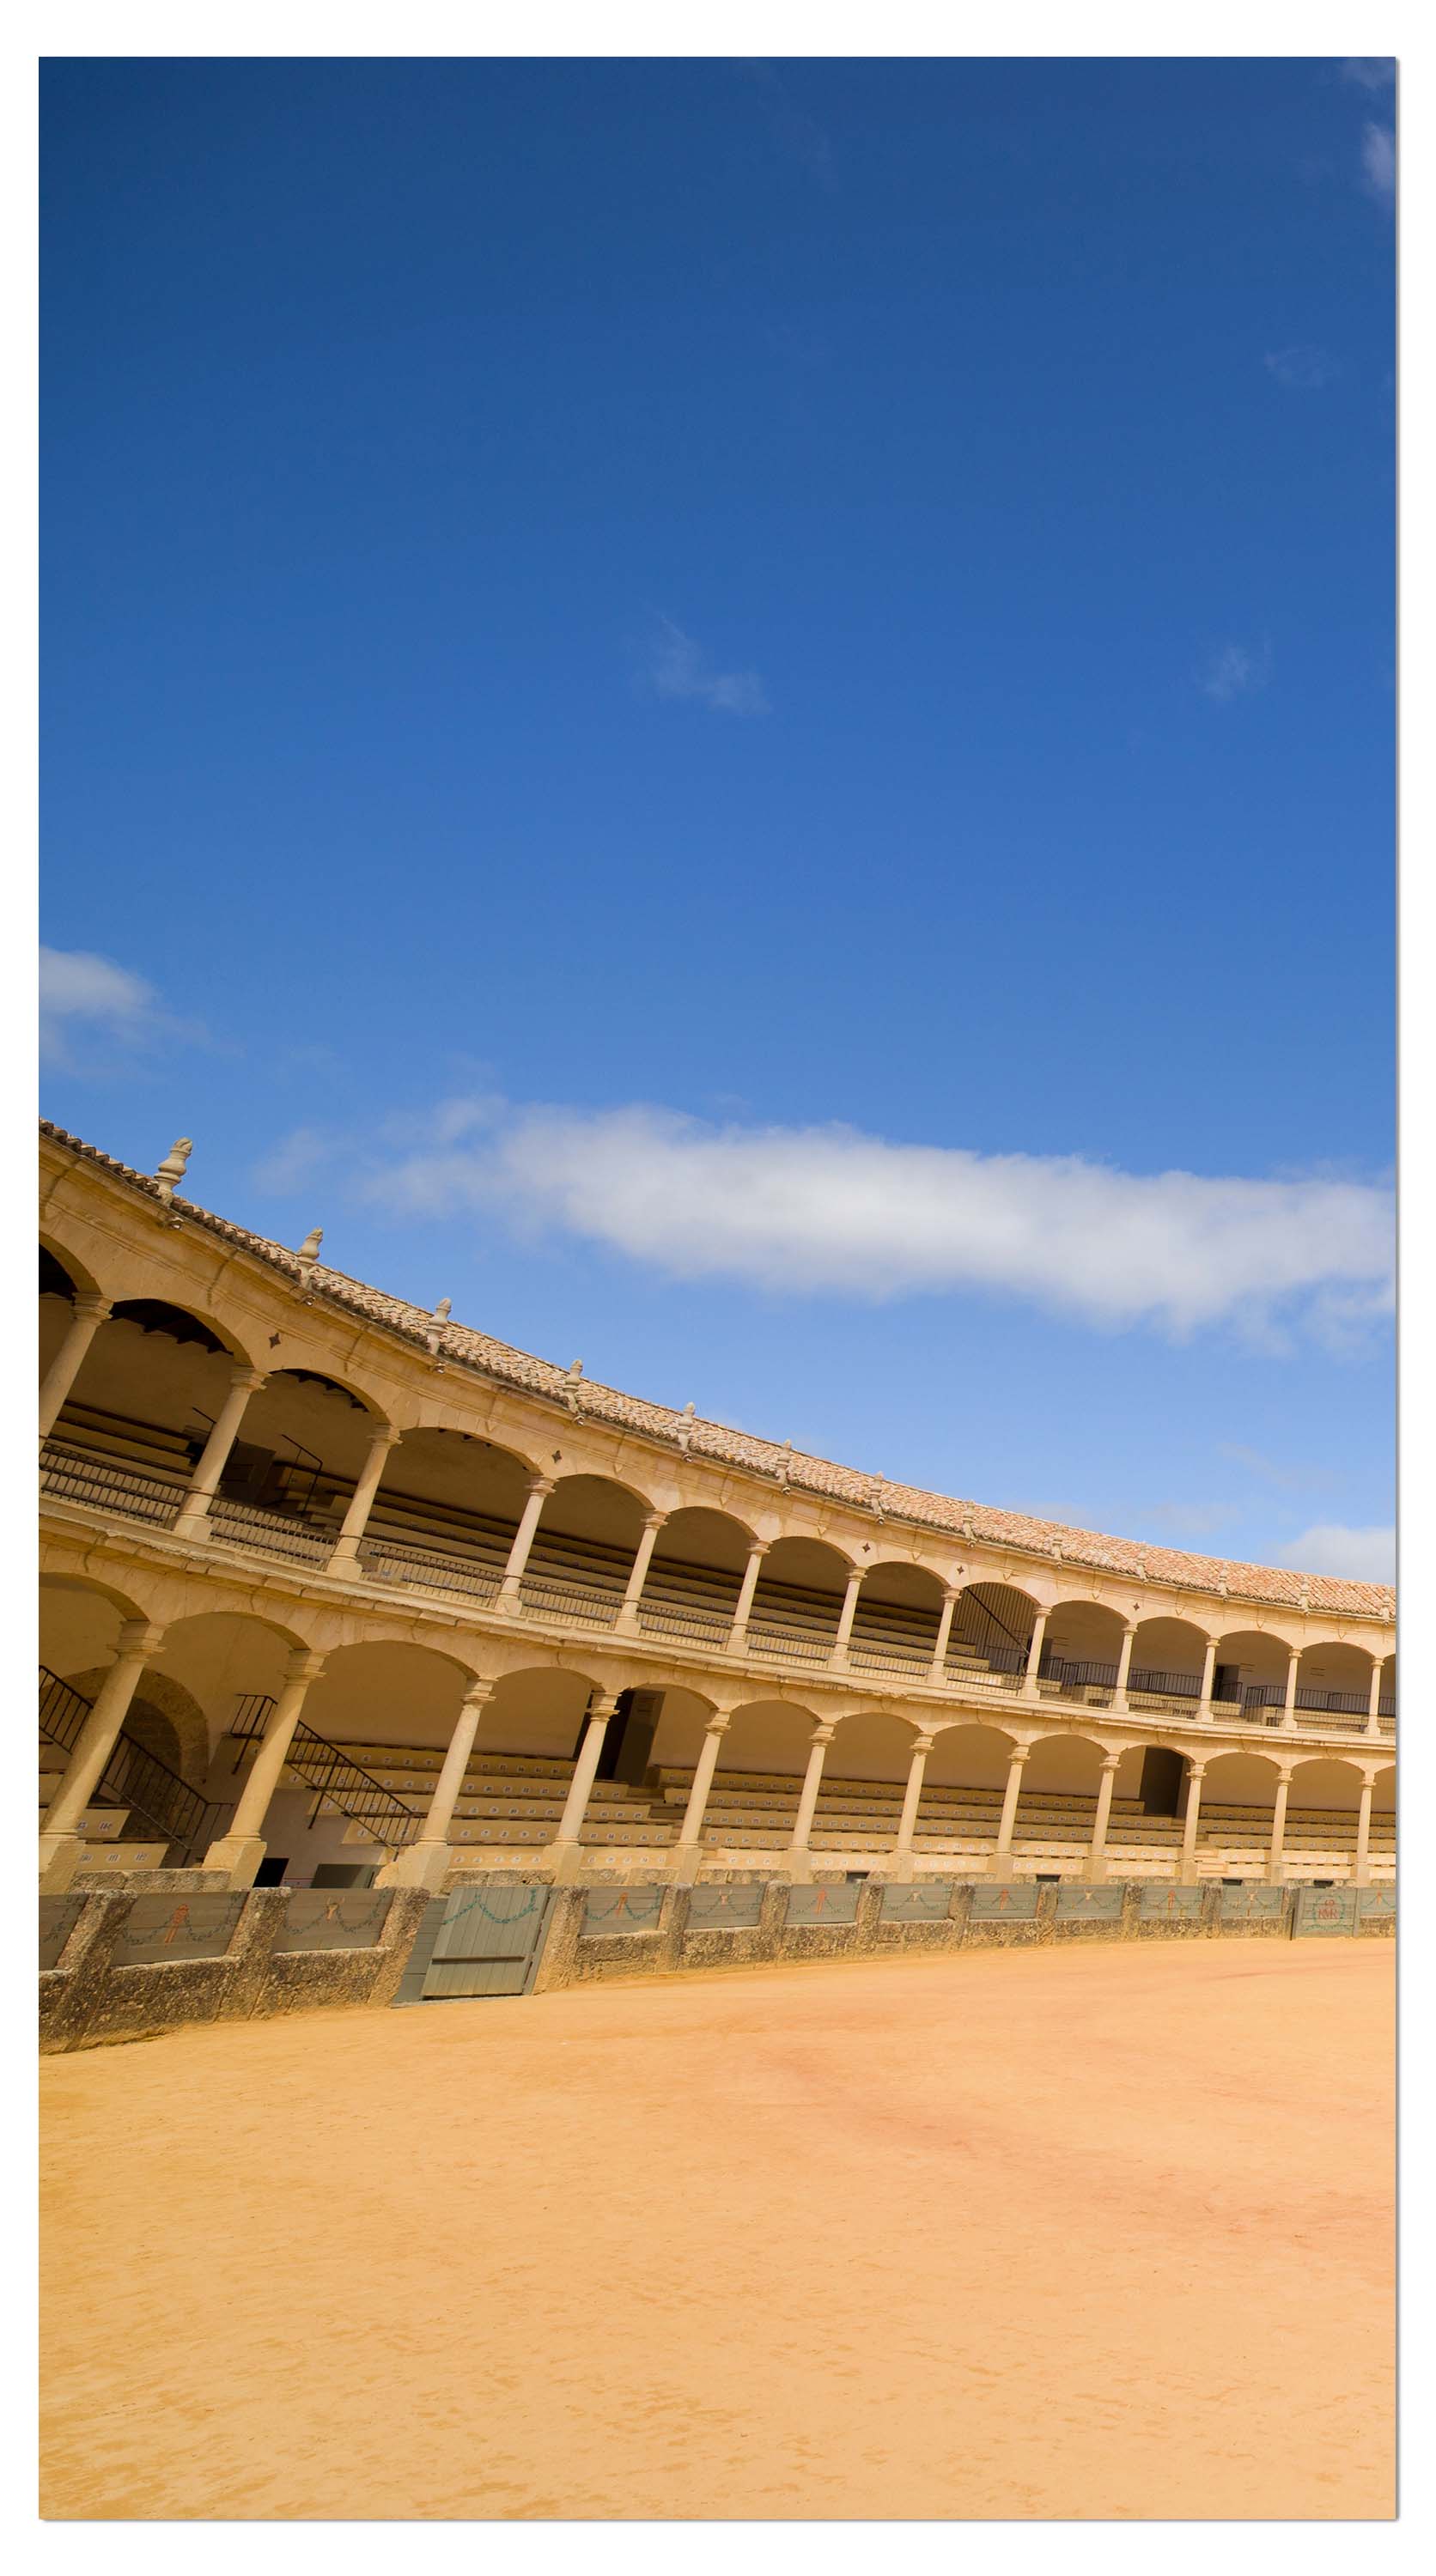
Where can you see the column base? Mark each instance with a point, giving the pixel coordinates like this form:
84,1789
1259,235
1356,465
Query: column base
193,1525
566,1862
239,1856
60,1856
1276,1873
420,1865
685,1862
344,1558
796,1864
1095,1872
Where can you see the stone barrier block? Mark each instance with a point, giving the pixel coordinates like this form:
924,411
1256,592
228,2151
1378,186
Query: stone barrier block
724,1907
623,1909
1082,1911
919,1900
1321,1912
328,1919
1376,1910
176,1928
824,1904
1253,1908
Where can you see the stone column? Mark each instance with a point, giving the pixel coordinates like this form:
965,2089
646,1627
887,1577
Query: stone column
425,1863
1209,1667
1278,1830
194,1520
739,1629
846,1616
797,1853
1293,1662
538,1493
1196,1774
1373,1705
1097,1850
240,1851
90,1313
1034,1656
912,1794
565,1846
690,1839
61,1851
1124,1665
638,1573
1002,1857
361,1502
951,1595
1361,1866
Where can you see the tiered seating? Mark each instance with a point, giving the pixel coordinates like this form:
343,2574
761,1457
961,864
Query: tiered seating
87,1431
514,1800
1314,1839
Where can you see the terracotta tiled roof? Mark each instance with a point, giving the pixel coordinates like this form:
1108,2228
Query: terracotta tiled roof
908,1503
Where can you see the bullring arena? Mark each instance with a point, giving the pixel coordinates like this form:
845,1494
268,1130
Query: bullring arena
384,1666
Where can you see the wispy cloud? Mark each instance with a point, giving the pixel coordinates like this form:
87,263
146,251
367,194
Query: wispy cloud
1190,1520
1360,1555
88,1001
1303,368
1235,671
1287,1480
1378,162
827,1210
294,1160
678,669
1370,71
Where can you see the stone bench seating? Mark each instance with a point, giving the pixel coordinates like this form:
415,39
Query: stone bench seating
98,1824
122,1442
122,1855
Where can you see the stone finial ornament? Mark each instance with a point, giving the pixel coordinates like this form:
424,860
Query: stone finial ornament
785,1470
685,1431
172,1170
308,1253
434,1333
571,1384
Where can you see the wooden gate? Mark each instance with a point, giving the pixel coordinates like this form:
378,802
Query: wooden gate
478,1941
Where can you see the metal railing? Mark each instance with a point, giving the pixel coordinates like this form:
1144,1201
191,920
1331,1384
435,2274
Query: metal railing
874,1654
132,1777
72,1476
275,1532
662,1618
333,1778
397,1561
789,1644
543,1597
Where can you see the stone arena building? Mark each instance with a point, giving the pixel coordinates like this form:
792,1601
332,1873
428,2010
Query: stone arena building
338,1593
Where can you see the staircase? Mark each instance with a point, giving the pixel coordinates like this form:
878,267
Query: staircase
334,1779
135,1786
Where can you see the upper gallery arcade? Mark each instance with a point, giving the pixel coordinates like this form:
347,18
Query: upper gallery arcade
269,1489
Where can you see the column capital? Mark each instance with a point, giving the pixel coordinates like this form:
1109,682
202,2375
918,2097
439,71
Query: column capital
721,1720
824,1731
1113,1761
478,1692
385,1435
654,1520
140,1637
542,1484
603,1704
1196,1770
245,1378
90,1303
304,1665
923,1743
759,1546
1019,1753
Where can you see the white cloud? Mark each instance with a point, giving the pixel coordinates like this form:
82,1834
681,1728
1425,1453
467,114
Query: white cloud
1357,1555
1304,369
1370,71
677,670
828,1210
81,994
293,1161
1236,671
1378,162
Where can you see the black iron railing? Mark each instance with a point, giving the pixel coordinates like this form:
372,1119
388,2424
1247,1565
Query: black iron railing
332,1778
132,1777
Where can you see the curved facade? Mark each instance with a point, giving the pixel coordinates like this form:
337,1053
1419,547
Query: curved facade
335,1584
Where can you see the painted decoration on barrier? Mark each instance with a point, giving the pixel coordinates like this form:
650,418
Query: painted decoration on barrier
829,1904
326,1919
1375,1900
623,1909
1252,1903
1015,1904
177,1927
58,1918
1163,1902
917,1901
724,1909
1100,1904
1324,1910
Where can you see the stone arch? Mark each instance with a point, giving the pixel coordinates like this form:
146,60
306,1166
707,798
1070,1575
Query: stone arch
80,1621
768,1735
994,1622
388,1693
163,1719
969,1755
695,1574
898,1614
1251,1670
1168,1658
148,1389
1333,1676
453,1492
1064,1762
302,1445
538,1710
873,1744
75,1275
798,1601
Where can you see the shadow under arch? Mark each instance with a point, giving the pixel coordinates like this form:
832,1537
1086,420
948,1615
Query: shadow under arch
873,1744
695,1574
62,1273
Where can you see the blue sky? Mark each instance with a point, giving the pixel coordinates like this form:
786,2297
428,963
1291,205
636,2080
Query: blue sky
719,708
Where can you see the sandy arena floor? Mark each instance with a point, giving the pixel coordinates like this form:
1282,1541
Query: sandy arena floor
1061,2233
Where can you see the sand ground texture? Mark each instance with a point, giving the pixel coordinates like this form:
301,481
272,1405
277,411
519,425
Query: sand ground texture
1037,2234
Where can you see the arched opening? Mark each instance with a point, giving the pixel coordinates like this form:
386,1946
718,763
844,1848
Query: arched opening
59,1286
583,1551
1333,1686
1386,1704
445,1513
290,1474
695,1576
1057,1803
798,1601
753,1803
1237,1808
991,1637
895,1626
1249,1681
1082,1653
148,1806
1319,1836
1168,1656
133,1425
365,1759
962,1791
